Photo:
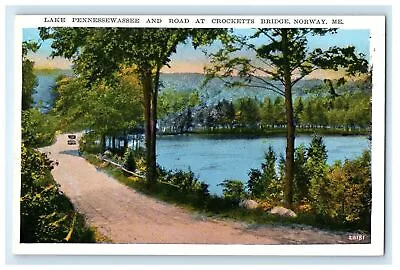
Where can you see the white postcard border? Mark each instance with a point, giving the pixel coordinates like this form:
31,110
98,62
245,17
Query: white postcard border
376,25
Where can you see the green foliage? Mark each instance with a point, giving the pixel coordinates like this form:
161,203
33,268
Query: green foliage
265,184
203,191
350,191
317,171
38,129
348,113
89,143
226,113
319,188
268,168
172,102
105,109
301,177
338,194
29,80
341,193
351,110
99,52
34,170
184,181
71,102
255,184
248,112
47,216
316,152
233,190
129,160
272,112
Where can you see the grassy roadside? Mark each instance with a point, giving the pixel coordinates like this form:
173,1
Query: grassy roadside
211,206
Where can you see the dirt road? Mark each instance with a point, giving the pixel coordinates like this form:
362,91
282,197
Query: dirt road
126,216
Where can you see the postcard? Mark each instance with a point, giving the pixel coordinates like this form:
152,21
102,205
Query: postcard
199,135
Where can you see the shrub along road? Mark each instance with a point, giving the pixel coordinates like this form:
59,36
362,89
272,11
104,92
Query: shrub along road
126,216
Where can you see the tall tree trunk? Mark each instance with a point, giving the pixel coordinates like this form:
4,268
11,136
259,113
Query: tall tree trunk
153,124
148,128
113,142
103,143
153,129
290,137
125,142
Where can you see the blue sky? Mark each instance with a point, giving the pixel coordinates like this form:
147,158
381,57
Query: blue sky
189,60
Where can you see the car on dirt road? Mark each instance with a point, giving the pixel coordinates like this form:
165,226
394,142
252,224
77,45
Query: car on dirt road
71,142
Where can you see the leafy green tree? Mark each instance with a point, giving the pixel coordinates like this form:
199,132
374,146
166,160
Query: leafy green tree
99,53
130,163
262,184
354,204
105,109
281,61
298,110
47,216
317,149
226,113
233,190
351,109
254,184
171,101
249,112
71,102
29,80
267,113
279,111
268,168
342,192
38,129
320,113
317,171
113,110
301,177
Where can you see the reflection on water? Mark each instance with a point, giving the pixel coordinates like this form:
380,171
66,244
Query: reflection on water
214,159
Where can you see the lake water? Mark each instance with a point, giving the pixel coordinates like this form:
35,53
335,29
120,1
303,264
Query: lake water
214,158
43,96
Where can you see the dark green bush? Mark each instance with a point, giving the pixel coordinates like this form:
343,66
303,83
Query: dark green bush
349,192
301,178
265,184
185,181
233,190
254,184
129,160
338,195
38,129
47,216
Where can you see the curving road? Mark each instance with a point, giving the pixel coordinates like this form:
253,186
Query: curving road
126,216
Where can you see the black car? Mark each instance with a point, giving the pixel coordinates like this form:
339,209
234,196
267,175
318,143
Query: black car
72,136
71,142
